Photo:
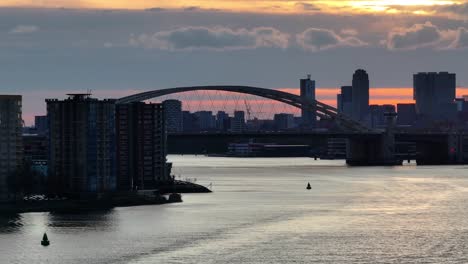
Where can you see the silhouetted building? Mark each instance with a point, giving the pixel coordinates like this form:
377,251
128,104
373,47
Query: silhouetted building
309,117
11,143
435,94
360,95
460,103
82,144
206,120
406,114
260,125
41,124
222,121
344,100
173,114
238,122
35,147
190,122
284,121
141,146
377,114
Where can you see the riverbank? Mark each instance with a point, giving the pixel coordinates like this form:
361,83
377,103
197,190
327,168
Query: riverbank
163,195
184,187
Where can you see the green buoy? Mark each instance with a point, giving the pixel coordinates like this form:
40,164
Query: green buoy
45,241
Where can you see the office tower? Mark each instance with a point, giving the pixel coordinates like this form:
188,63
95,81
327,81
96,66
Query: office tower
238,122
41,124
206,120
11,145
173,113
360,95
309,117
406,114
141,146
284,121
82,144
222,121
345,100
435,94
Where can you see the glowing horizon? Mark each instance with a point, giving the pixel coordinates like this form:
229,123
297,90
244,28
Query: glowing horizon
378,96
264,6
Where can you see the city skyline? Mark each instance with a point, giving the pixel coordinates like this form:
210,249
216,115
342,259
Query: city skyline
33,106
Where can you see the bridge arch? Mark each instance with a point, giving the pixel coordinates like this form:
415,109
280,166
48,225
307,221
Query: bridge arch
322,110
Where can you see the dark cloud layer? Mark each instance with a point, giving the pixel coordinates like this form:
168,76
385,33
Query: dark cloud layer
417,36
216,38
427,35
79,49
316,39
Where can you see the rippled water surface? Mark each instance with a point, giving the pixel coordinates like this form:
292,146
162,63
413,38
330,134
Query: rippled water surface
260,212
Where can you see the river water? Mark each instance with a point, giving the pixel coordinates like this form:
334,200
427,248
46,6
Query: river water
261,212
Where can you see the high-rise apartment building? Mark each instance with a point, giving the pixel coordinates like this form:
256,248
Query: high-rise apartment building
309,117
173,114
11,148
141,146
360,95
82,144
435,94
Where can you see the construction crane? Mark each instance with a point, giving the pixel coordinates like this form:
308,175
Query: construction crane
247,107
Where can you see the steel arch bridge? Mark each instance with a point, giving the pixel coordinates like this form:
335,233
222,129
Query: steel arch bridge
322,110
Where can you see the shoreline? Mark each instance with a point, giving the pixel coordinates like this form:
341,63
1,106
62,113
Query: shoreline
128,199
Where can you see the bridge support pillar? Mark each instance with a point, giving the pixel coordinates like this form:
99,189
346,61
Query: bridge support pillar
374,151
449,151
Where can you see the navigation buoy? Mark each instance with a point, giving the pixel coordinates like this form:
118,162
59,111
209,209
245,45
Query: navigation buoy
45,241
308,186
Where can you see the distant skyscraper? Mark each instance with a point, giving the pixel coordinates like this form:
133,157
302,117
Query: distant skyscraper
360,95
309,117
238,122
82,144
141,146
435,94
11,147
344,100
173,113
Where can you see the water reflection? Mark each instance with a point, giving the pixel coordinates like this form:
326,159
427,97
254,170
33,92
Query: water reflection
10,223
103,220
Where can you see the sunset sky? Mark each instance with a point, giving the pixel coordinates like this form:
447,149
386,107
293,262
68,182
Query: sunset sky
113,47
